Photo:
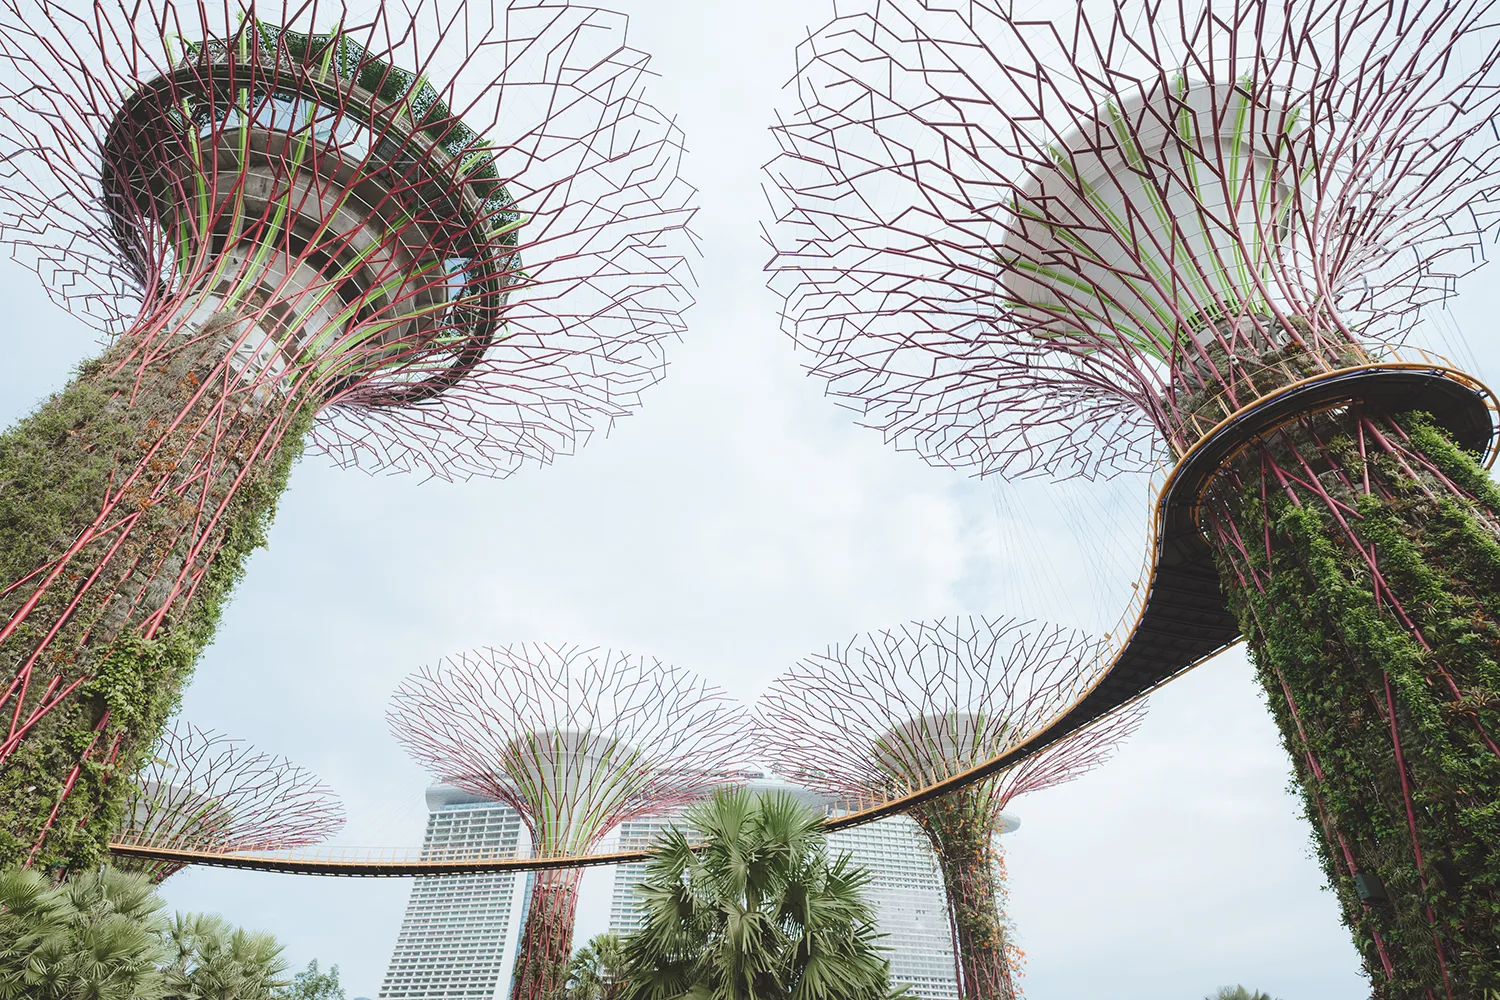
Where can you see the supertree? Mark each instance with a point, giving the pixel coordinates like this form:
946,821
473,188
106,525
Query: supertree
1075,246
203,791
439,239
577,740
888,714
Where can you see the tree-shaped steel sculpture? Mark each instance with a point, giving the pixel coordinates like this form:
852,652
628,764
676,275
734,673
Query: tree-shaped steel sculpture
1145,232
577,740
436,239
891,713
202,791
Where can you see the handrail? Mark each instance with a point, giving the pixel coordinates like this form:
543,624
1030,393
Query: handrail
1179,618
357,862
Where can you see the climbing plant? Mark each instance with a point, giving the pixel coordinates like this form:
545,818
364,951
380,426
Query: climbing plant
1367,581
112,636
961,827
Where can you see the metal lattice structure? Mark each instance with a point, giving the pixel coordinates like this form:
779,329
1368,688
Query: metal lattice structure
577,740
1029,246
203,791
890,713
1206,234
448,239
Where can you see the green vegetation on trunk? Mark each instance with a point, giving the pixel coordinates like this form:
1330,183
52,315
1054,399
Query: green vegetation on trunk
961,827
1368,673
56,468
547,939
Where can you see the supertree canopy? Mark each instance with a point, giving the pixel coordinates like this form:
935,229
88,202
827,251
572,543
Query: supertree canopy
576,740
436,238
891,713
202,791
1075,246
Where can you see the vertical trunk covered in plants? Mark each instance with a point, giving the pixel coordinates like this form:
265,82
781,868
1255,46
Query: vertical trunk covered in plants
1361,555
129,502
547,938
961,827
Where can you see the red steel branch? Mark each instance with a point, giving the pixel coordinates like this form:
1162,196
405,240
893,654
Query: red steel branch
1075,246
991,231
576,740
202,791
892,712
452,237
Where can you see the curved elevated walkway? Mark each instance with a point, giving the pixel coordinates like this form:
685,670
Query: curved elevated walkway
1181,621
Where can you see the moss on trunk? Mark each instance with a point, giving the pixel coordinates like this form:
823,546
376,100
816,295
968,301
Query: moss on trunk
1362,558
547,939
961,827
115,561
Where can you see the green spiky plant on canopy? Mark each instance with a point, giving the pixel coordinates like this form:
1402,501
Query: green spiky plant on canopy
297,231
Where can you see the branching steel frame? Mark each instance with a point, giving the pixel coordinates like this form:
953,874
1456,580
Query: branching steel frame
576,740
299,227
1071,245
889,712
216,793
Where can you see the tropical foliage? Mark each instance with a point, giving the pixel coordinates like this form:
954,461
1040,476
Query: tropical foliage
99,936
597,971
1239,993
745,904
102,935
208,958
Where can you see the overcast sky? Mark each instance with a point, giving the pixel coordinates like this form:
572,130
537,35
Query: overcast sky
738,522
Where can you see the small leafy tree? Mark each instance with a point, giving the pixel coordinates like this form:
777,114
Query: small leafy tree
312,984
748,906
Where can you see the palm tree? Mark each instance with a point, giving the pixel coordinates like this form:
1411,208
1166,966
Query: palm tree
751,908
597,971
209,958
98,936
102,936
1239,993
